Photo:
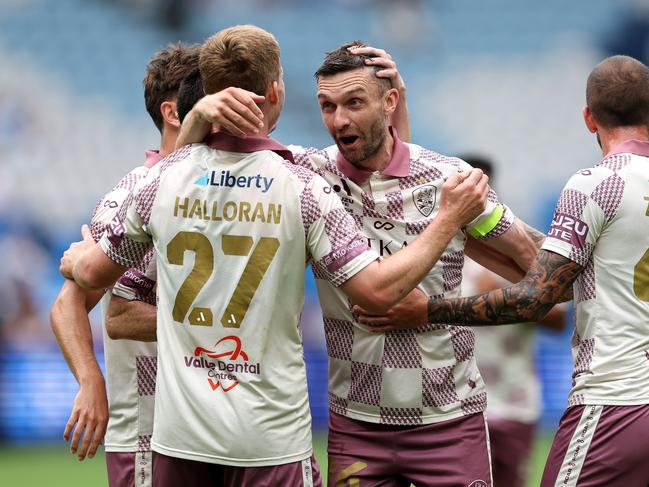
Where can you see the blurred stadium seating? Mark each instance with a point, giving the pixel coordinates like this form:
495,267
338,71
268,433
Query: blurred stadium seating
502,77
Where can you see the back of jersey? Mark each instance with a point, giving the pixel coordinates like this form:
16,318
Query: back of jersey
602,223
231,387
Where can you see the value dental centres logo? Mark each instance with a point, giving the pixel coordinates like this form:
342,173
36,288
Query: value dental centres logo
229,362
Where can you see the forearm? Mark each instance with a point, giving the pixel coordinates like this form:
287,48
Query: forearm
382,284
194,129
131,320
520,242
495,261
71,327
94,270
528,301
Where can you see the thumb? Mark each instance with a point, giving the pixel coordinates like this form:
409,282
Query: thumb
85,232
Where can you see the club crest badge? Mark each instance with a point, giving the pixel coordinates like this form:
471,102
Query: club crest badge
424,198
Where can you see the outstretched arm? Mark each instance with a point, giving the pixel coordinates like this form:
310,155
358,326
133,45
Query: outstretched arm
70,324
547,283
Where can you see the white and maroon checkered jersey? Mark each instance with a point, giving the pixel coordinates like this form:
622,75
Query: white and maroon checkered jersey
130,365
601,222
403,377
505,356
234,224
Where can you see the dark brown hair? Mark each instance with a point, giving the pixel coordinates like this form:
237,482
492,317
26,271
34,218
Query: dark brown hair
342,60
617,92
164,73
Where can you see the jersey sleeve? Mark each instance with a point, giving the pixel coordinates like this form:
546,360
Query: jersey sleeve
139,283
126,240
336,247
496,218
303,156
587,204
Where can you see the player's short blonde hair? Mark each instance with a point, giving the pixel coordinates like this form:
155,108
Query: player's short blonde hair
243,56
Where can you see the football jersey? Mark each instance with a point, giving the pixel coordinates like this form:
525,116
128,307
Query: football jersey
130,365
405,377
505,356
601,222
233,224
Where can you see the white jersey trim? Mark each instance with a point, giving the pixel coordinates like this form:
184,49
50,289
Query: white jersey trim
573,462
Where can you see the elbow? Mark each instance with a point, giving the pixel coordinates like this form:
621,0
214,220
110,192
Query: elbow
113,330
380,301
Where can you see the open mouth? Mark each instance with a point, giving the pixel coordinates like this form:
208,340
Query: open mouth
348,139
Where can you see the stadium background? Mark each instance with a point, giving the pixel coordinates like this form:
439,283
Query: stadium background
503,78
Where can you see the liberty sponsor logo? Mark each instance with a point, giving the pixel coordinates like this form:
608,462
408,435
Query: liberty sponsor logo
425,198
337,258
229,360
568,229
225,179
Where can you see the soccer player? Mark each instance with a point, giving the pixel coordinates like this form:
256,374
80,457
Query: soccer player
598,244
234,224
397,400
130,365
505,358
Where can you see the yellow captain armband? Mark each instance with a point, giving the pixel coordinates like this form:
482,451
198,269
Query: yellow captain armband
488,224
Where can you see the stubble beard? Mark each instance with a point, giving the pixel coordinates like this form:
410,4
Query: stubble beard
375,139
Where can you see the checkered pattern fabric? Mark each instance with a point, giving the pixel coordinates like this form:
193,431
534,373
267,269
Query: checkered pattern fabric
408,377
601,222
129,418
146,373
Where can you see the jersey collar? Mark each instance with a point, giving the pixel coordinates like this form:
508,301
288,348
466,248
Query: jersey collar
399,165
230,143
152,157
633,146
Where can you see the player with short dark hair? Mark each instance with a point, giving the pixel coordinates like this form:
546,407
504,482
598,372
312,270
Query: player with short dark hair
411,395
126,415
598,244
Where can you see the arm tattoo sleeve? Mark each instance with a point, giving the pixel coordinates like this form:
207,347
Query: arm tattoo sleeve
536,236
546,283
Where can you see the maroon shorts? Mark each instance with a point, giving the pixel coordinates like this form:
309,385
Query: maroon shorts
453,452
600,446
129,469
174,472
511,444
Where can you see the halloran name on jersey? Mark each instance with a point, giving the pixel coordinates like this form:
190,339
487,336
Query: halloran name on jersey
243,211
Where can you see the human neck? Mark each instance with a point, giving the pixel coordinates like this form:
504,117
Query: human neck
168,141
611,138
382,157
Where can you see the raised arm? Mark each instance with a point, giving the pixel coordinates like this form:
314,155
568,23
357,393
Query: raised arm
547,283
71,327
381,284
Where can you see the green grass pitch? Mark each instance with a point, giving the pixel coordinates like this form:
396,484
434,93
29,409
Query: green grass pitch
54,466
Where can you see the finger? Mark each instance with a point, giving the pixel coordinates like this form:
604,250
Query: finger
233,129
359,310
369,51
251,100
85,442
374,320
387,73
382,329
70,424
241,116
454,180
86,233
381,62
78,433
97,438
474,178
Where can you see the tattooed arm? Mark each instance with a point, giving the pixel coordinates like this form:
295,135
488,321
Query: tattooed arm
520,242
546,283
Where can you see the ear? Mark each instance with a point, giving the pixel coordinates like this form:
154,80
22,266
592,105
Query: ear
272,94
591,124
169,113
390,101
